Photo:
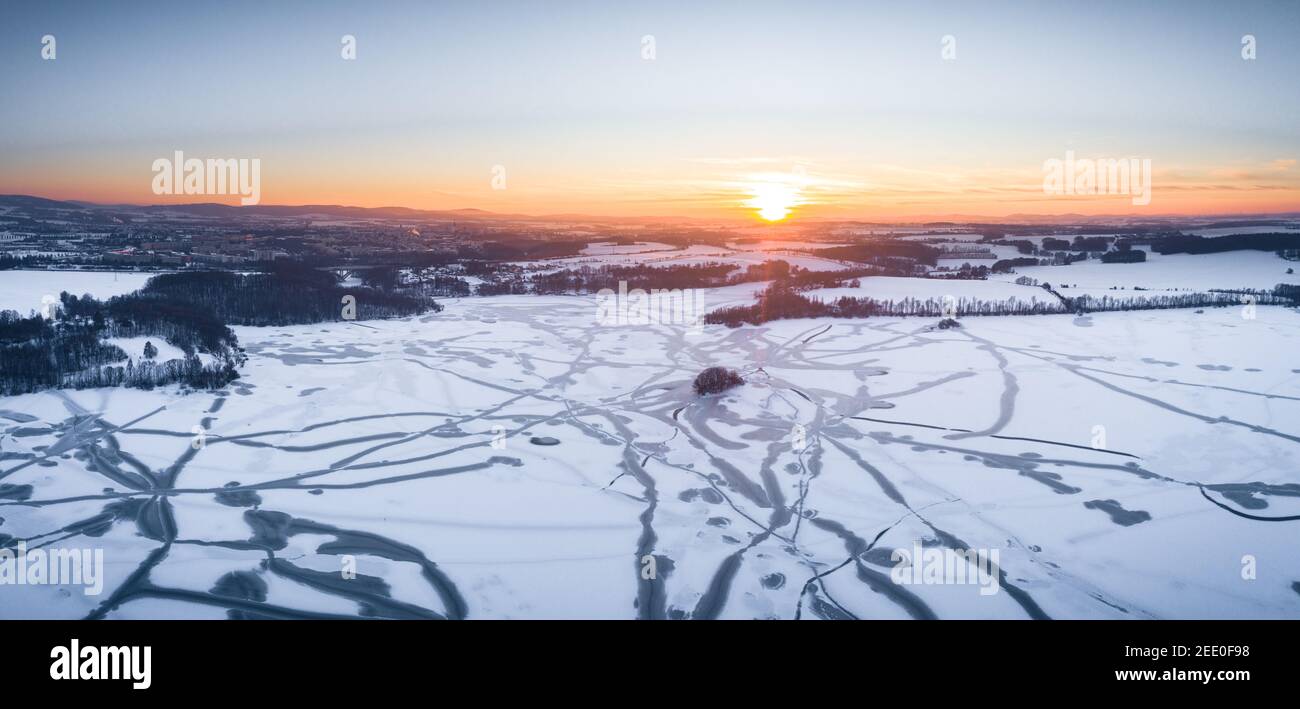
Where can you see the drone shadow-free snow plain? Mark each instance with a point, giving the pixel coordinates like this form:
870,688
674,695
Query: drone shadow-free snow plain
511,458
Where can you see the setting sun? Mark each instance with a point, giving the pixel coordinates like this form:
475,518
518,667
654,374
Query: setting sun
774,199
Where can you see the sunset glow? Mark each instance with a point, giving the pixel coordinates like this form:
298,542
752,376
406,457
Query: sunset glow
774,201
601,130
696,310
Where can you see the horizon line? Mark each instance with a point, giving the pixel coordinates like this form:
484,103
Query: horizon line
792,222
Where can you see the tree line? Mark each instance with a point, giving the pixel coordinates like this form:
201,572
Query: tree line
67,347
1188,244
593,279
286,294
896,255
780,301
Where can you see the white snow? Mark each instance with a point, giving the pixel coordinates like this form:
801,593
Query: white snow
134,348
606,248
24,290
1228,231
695,255
1196,272
1010,434
892,288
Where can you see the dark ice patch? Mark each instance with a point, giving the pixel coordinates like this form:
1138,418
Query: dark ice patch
879,556
1248,494
1118,515
15,492
244,585
706,494
18,416
1051,480
239,498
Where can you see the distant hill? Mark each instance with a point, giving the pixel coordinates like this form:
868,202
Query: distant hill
212,209
215,210
19,200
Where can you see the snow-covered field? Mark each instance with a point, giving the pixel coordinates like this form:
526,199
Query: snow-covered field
606,248
134,347
892,288
24,291
511,458
690,256
1196,272
782,244
1227,231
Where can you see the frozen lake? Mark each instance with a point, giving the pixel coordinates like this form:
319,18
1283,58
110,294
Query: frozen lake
1123,465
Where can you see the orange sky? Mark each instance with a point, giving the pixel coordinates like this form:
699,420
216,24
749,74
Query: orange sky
730,188
845,110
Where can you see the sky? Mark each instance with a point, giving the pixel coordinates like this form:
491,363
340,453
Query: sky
815,108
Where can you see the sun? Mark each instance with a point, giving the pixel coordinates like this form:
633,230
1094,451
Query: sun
774,197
